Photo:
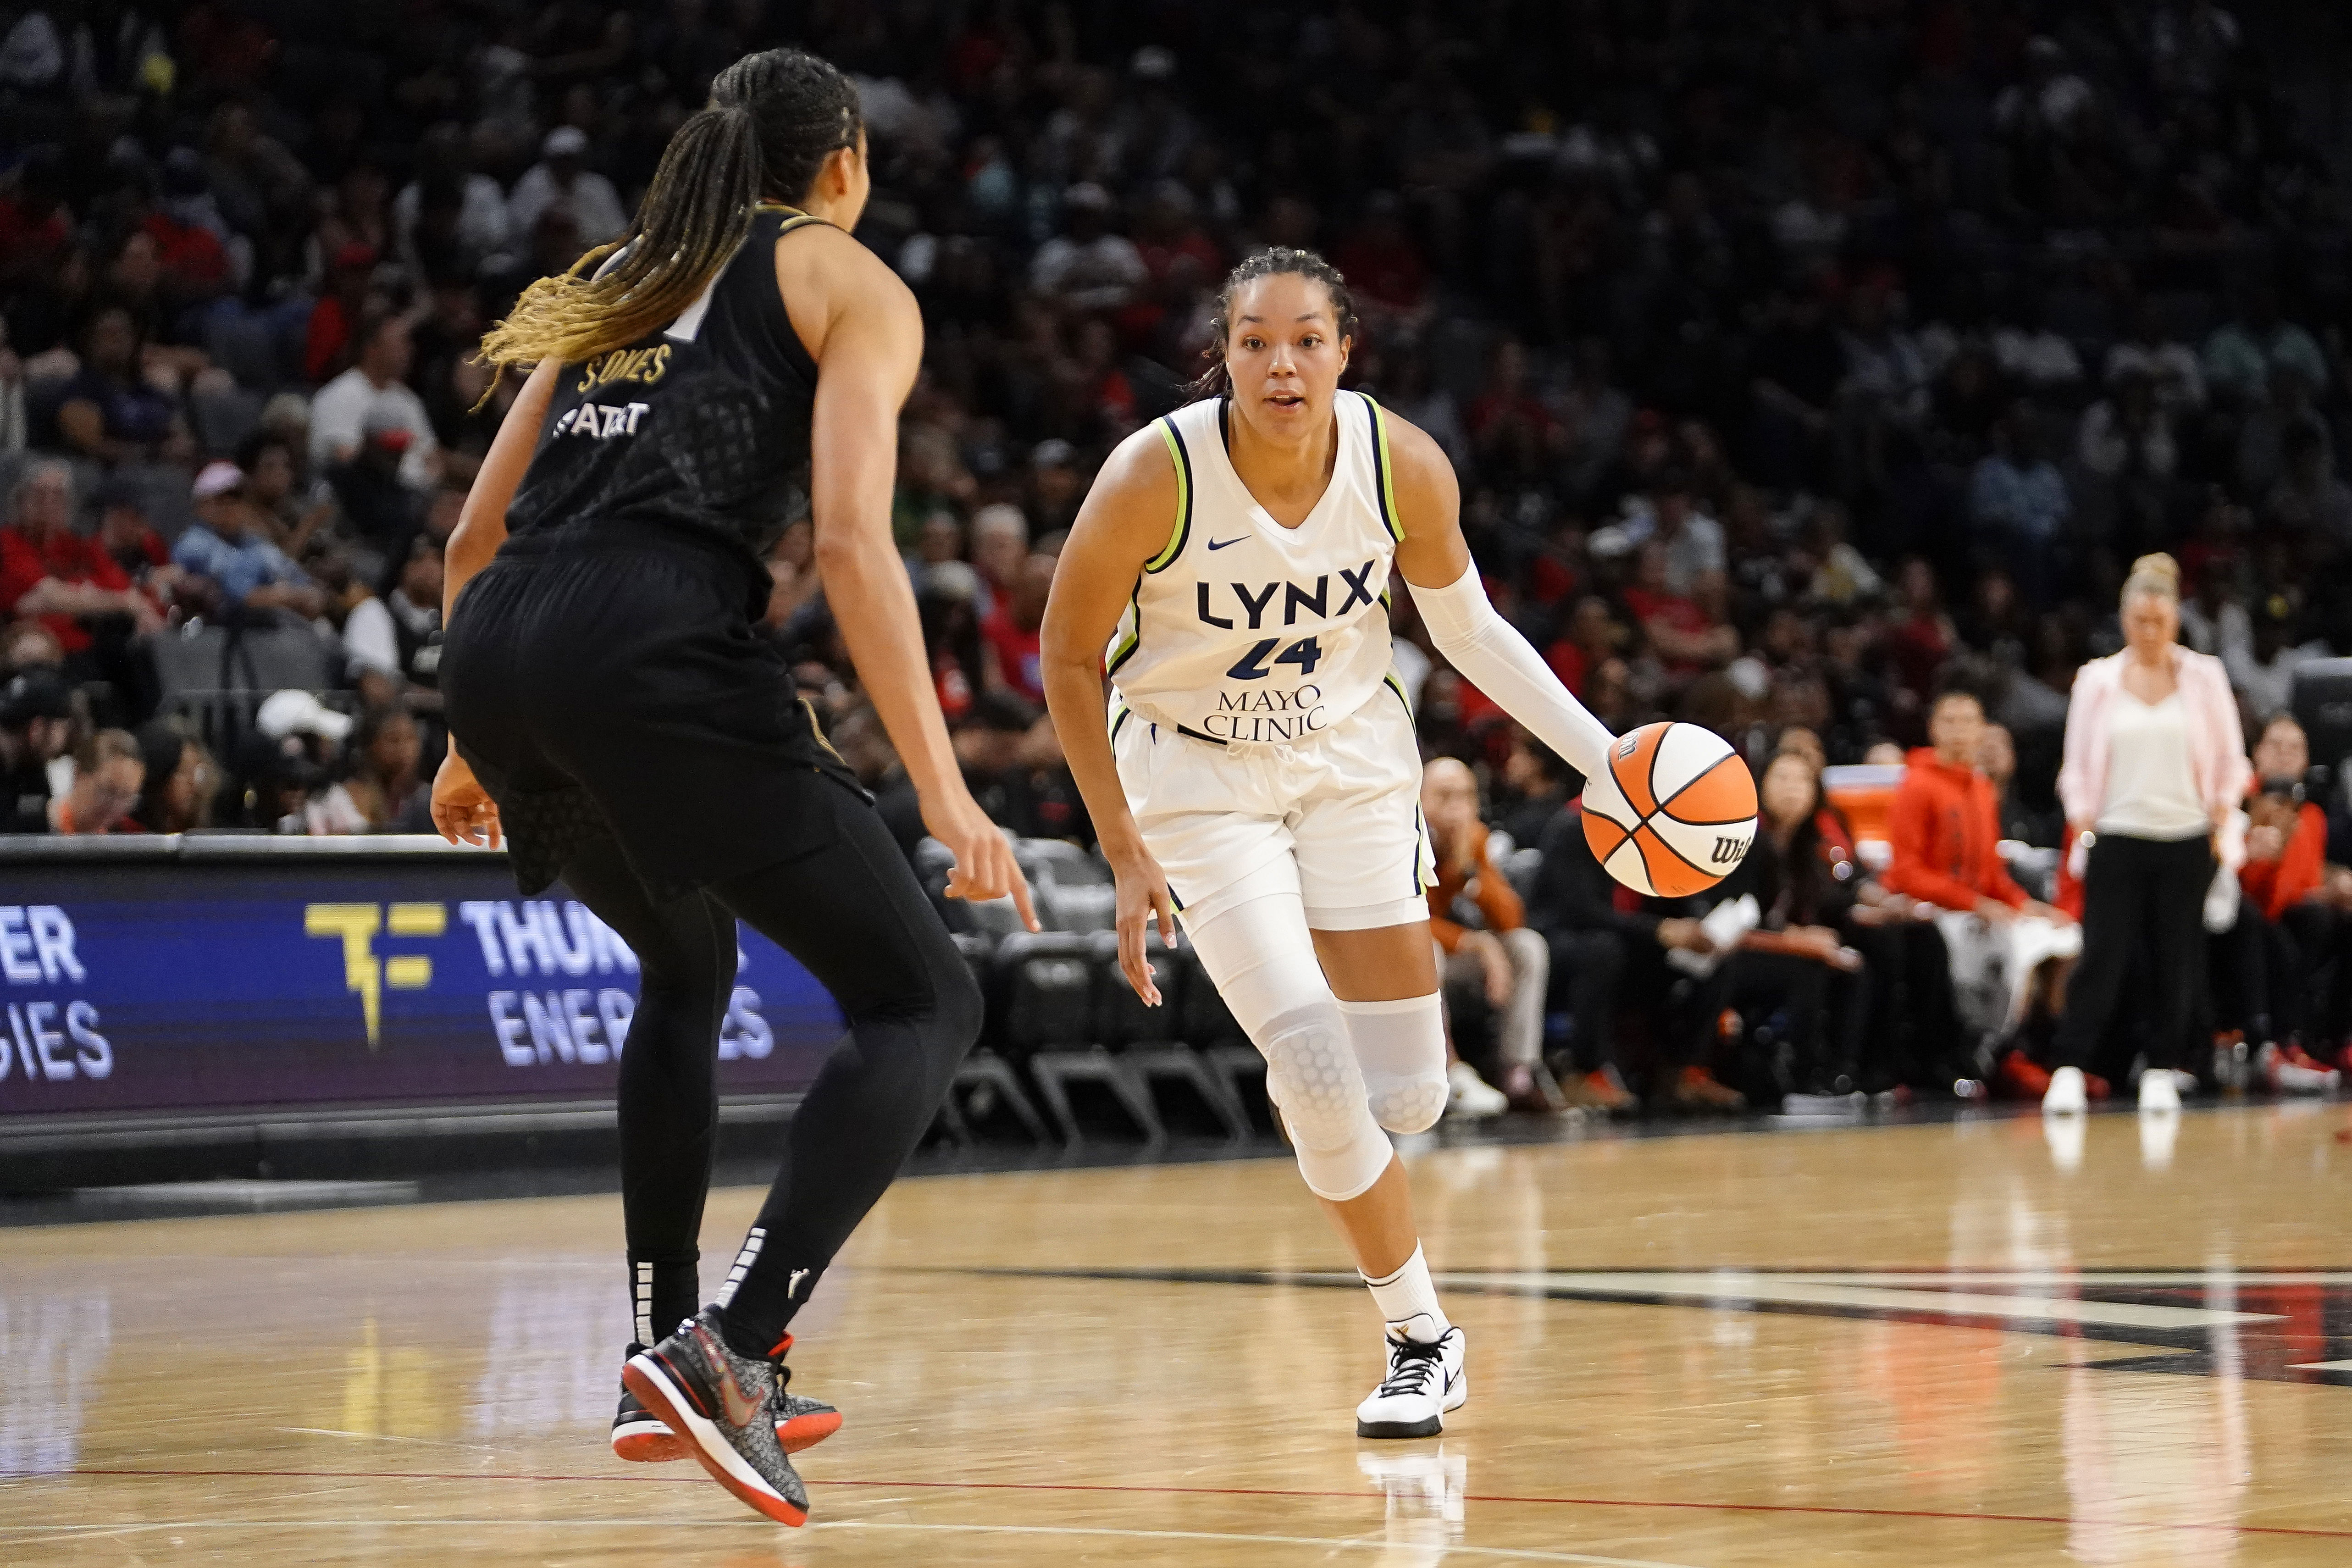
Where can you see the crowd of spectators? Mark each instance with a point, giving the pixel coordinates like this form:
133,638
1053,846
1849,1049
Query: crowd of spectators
1799,361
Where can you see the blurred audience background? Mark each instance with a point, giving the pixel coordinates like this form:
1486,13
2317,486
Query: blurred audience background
1803,362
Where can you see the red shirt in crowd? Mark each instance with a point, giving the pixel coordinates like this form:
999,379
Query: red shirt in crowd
30,242
2276,886
1550,581
1837,836
65,555
329,334
1391,274
1489,409
190,256
1682,613
1918,647
1944,827
1568,661
1016,654
1160,256
955,690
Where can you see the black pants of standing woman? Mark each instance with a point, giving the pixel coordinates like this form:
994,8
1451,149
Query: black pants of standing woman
2143,899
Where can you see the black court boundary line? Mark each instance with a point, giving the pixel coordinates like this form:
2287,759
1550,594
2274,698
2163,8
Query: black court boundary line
2186,1344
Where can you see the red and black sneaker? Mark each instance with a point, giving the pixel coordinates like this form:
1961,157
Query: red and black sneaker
726,1407
2020,1077
639,1436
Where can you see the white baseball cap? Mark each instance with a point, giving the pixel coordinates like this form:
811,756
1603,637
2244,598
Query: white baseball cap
296,712
217,479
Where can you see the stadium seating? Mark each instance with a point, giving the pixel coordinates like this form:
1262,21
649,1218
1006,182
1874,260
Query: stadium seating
1147,1038
985,1082
1042,1014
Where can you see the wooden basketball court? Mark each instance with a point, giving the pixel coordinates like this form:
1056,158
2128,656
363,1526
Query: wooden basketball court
1907,1346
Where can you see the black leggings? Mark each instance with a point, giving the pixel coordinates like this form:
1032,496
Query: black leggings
853,915
1586,967
1912,1034
2268,975
2142,898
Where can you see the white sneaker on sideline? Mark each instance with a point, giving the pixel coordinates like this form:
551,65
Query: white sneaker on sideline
2066,1095
1425,1380
1469,1095
2286,1075
2159,1093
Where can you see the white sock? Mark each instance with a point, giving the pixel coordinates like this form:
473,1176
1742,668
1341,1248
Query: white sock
1408,1302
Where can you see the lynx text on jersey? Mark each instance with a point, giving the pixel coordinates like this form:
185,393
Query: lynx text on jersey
1362,588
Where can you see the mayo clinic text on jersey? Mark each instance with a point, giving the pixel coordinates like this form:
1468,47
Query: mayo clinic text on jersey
1268,714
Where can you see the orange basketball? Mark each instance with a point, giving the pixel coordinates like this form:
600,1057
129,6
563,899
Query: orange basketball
1676,812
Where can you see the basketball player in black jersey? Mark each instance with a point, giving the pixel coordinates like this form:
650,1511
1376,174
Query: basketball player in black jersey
620,723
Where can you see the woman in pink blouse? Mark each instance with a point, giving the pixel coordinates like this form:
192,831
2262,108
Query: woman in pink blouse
2156,762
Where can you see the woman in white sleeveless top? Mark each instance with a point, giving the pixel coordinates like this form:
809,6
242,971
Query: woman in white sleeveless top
1252,767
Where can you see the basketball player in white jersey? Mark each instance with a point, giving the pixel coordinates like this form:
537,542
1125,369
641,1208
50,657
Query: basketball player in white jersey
1256,771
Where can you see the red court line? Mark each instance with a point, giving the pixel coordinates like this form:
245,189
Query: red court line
685,1479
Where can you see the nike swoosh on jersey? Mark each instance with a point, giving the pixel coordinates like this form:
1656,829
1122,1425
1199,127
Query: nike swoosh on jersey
1221,543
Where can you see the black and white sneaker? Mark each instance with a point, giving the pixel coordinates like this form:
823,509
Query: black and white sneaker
1425,1380
639,1436
726,1408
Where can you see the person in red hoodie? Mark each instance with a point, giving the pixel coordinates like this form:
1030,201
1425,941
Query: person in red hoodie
2291,920
2010,952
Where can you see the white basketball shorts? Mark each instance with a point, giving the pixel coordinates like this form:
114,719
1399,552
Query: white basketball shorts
1335,819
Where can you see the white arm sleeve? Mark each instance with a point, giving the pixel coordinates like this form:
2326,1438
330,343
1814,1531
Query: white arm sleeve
1498,662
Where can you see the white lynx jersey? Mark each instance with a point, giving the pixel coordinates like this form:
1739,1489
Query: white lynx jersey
1242,630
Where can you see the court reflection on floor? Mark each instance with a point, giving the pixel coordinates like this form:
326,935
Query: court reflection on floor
1901,1346
1422,1489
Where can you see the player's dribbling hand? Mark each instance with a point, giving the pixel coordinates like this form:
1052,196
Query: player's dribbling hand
985,865
462,809
1143,899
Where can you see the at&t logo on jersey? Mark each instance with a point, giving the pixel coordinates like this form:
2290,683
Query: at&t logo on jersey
601,420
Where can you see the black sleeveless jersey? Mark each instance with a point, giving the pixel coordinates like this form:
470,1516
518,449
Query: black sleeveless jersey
702,426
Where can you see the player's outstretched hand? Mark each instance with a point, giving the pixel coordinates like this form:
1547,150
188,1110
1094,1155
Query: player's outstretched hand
1143,899
985,865
462,809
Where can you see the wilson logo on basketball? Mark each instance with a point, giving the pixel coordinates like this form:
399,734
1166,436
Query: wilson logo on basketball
1728,851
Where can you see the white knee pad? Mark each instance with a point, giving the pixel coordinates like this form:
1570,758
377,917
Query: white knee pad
1401,1050
1262,961
1311,1073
